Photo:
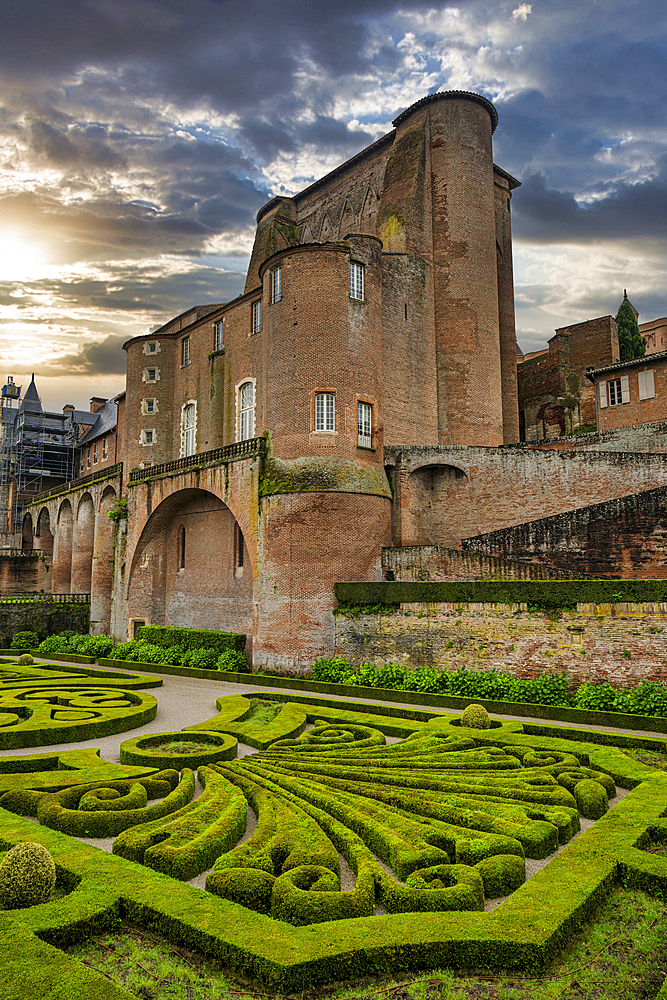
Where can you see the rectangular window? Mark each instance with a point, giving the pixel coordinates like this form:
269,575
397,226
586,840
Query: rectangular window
364,425
246,411
218,335
615,396
149,405
95,453
88,456
151,374
257,316
152,348
276,284
148,437
185,351
646,384
356,281
325,411
105,448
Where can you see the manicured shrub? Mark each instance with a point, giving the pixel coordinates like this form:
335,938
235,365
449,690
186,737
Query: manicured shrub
250,887
191,638
201,659
91,645
501,874
475,717
55,644
25,660
27,876
448,887
25,640
233,660
591,798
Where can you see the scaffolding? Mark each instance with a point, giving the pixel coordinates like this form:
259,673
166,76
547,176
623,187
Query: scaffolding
38,451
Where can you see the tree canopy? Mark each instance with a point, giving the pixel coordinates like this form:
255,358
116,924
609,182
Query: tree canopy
630,341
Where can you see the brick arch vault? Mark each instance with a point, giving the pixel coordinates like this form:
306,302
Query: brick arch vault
187,554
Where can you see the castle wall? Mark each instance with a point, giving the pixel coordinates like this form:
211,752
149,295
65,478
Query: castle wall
624,538
622,644
436,562
472,491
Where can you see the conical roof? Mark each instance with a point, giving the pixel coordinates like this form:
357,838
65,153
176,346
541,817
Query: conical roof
31,400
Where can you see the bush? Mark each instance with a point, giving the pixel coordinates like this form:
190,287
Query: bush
27,876
25,660
191,638
91,645
475,717
201,659
55,644
232,660
25,640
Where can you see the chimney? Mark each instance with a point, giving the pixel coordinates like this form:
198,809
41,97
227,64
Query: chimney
96,403
68,408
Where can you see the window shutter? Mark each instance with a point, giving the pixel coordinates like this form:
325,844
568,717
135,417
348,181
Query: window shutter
603,394
646,385
625,389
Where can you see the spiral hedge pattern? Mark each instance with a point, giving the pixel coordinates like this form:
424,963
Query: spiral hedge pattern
362,820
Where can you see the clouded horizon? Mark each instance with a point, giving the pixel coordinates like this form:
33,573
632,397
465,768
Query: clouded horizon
138,138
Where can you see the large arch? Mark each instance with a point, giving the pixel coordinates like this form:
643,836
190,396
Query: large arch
101,581
191,566
43,531
84,539
429,492
26,532
61,578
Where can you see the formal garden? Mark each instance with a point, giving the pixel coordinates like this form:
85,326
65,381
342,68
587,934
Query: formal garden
305,845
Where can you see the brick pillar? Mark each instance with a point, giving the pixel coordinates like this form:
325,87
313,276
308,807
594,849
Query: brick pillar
62,552
101,581
82,557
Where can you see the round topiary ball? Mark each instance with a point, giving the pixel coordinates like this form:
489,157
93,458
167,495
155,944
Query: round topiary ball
25,660
475,717
27,876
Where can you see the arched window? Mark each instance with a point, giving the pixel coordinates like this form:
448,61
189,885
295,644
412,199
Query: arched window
246,411
188,429
181,547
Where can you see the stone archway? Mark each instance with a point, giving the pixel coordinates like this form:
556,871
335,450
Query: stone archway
101,581
430,489
189,567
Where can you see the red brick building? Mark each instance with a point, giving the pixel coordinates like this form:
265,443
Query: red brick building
631,392
360,394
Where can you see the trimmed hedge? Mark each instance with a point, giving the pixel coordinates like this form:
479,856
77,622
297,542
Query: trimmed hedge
538,594
146,750
524,933
192,638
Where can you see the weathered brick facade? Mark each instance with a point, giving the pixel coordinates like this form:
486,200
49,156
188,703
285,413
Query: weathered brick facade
360,395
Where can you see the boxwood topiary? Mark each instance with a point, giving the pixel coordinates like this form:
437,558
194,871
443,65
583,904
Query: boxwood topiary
25,660
27,876
475,717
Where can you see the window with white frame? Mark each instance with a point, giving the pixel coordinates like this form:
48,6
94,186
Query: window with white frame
276,284
646,385
257,316
188,429
218,335
325,411
619,390
95,453
152,347
105,448
148,436
246,411
364,425
185,351
149,405
89,453
356,280
151,375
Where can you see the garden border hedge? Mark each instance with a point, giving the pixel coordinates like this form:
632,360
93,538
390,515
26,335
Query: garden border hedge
586,717
192,638
539,594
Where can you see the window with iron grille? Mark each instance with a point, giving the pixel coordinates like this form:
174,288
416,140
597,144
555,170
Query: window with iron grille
364,425
276,284
257,316
325,411
356,280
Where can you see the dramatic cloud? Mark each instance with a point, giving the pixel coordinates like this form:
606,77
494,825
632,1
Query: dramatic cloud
138,138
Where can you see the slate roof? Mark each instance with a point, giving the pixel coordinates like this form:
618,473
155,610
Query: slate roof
106,420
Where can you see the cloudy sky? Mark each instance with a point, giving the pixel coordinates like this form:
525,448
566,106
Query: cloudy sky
138,138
